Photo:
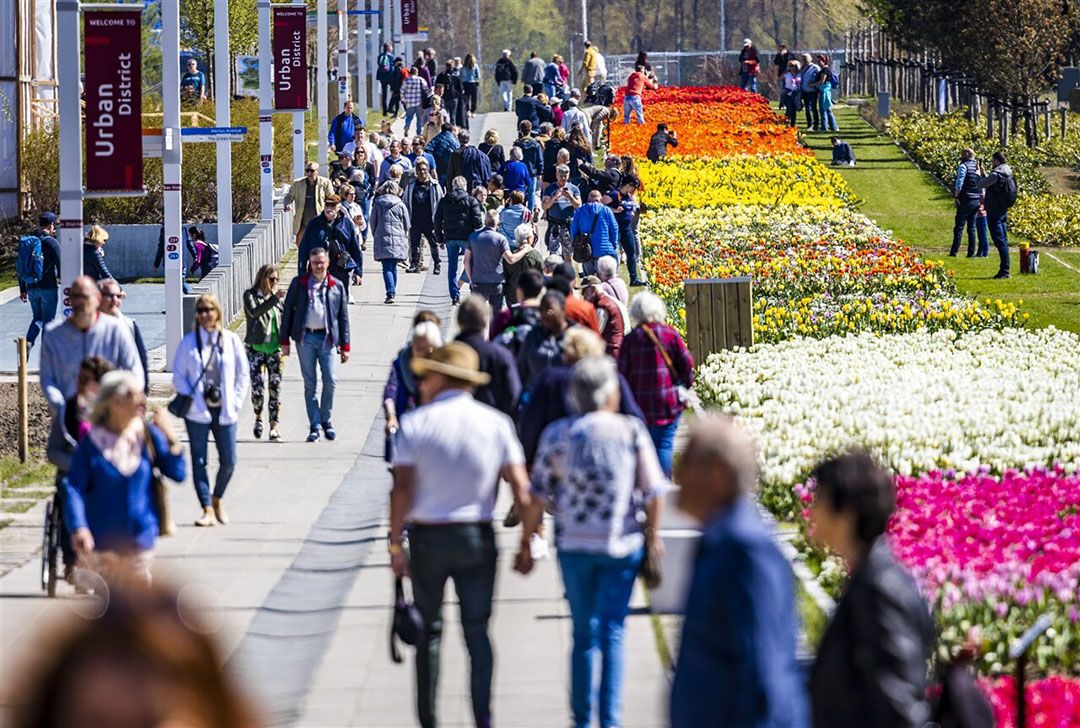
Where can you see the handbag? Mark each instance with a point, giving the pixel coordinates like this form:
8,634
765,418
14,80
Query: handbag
180,404
582,243
407,625
158,491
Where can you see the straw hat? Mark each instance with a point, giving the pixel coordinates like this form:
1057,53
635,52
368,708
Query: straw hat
456,361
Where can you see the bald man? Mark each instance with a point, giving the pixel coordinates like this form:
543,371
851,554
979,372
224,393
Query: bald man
737,662
84,333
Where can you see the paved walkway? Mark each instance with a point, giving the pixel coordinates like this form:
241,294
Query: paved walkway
145,303
300,581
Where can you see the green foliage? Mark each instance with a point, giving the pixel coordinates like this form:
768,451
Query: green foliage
935,142
199,175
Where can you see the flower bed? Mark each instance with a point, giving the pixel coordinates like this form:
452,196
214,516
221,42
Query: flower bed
816,272
990,554
709,123
783,179
921,401
1053,702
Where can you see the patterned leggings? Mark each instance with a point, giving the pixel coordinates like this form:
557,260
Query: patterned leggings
272,362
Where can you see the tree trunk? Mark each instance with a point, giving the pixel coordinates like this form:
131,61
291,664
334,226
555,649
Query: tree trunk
795,23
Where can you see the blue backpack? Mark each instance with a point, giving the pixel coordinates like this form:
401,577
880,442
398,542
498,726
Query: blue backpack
30,264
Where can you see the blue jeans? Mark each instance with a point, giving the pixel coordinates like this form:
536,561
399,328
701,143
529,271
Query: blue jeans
983,231
966,210
632,104
225,441
748,82
598,588
389,276
412,112
454,250
530,195
828,119
43,302
999,233
663,437
628,241
313,352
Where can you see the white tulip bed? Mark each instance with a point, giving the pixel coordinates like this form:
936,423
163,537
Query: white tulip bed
920,401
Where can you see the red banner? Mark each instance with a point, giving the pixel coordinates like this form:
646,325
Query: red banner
290,58
409,22
113,47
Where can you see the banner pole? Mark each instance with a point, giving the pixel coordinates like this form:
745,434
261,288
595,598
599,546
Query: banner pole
361,61
266,118
172,157
322,100
222,100
68,48
344,88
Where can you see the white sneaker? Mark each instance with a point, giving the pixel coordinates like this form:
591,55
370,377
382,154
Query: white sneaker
352,299
538,547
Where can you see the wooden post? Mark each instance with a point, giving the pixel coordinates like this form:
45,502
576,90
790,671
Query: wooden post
719,315
24,402
1064,122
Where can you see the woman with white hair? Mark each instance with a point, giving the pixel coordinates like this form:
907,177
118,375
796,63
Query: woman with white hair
607,270
655,361
110,505
400,394
591,469
522,235
390,233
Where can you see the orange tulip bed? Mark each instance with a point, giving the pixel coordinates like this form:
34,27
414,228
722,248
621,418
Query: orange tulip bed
710,122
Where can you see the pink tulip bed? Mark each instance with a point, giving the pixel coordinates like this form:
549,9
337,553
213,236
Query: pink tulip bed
992,553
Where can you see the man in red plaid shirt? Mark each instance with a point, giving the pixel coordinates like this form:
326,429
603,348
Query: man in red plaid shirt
655,361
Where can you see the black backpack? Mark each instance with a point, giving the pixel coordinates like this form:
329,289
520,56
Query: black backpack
1010,192
962,704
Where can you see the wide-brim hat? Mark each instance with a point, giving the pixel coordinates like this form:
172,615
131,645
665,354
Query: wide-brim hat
456,361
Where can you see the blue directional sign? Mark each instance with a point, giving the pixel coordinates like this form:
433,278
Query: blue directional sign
213,133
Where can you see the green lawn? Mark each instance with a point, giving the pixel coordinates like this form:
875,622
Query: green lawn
900,197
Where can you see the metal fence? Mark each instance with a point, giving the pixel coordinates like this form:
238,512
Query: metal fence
267,242
707,68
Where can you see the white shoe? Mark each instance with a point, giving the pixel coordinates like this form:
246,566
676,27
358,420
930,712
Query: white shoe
538,547
352,299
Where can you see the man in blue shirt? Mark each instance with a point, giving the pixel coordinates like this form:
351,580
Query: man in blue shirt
736,664
559,201
441,146
514,173
343,130
596,220
193,82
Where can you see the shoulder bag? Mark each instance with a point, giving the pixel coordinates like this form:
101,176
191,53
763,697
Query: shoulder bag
180,404
582,243
686,395
158,490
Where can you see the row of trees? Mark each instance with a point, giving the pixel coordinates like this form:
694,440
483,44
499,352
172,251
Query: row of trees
1012,49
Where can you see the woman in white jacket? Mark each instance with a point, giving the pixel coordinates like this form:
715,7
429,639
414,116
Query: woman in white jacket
212,368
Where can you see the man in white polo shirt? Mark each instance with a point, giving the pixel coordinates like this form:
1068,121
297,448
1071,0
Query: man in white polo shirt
451,453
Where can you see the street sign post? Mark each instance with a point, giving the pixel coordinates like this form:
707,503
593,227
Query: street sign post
222,101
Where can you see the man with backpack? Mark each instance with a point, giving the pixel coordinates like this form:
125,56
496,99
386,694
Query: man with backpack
334,231
38,269
384,74
1001,191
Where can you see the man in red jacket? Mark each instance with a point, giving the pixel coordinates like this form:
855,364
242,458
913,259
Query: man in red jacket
637,83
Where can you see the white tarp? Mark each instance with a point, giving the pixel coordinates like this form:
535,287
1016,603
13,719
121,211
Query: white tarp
44,70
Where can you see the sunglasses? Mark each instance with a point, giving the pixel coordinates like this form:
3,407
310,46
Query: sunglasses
204,310
272,279
309,171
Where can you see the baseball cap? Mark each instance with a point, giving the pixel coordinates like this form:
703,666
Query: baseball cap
48,218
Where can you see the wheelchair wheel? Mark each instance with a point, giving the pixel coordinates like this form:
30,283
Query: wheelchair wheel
50,550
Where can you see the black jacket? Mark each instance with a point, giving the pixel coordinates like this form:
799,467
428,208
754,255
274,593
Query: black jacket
527,108
294,315
457,216
995,184
532,154
504,389
495,152
871,666
505,70
93,262
658,145
341,241
472,164
451,83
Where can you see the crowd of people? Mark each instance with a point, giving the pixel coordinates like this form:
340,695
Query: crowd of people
558,382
